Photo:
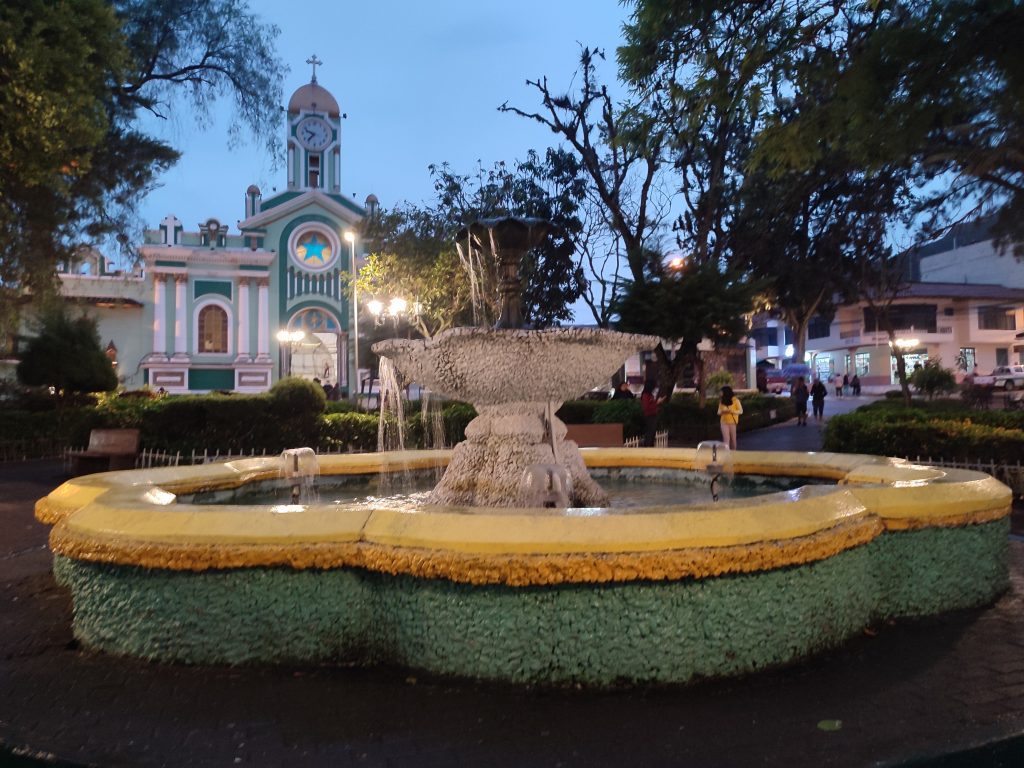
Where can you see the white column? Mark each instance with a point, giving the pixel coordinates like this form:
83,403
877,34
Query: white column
263,322
243,320
159,315
180,324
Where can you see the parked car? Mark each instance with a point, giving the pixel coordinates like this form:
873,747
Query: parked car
1007,376
775,380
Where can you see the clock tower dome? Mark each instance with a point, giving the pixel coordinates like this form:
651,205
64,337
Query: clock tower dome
314,137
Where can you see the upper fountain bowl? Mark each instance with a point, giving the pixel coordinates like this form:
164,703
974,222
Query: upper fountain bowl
488,366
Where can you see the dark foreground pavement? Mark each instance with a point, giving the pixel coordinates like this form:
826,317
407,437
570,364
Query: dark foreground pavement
946,691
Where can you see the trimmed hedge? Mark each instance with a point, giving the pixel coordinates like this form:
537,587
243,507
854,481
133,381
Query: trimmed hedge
684,419
687,421
290,415
349,431
942,429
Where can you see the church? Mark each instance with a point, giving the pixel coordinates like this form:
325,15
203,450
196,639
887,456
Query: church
213,309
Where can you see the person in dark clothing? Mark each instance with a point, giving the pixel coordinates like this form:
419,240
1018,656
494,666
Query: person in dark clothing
623,392
818,394
855,385
650,403
800,394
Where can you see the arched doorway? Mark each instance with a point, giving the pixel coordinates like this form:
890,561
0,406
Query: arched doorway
323,351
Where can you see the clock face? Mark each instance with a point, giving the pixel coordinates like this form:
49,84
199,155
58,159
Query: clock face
313,133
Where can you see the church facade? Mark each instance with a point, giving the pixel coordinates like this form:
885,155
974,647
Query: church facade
211,309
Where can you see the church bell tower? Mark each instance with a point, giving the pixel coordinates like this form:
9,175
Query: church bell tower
314,137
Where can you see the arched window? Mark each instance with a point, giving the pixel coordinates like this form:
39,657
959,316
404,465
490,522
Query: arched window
213,329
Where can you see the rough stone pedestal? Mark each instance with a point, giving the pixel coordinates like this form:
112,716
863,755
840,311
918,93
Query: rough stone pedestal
502,443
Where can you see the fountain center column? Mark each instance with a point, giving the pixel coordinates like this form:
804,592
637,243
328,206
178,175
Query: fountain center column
504,446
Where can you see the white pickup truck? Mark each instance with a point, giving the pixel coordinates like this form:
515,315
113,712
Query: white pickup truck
1006,376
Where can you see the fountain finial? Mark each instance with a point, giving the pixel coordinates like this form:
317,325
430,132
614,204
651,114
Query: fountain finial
510,237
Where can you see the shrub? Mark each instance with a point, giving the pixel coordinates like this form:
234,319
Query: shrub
349,431
340,406
580,411
624,411
456,417
294,396
976,395
716,381
687,421
932,379
220,422
943,429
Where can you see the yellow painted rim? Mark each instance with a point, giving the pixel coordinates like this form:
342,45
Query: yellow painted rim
132,518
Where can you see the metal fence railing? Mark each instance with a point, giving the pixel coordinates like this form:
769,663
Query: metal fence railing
1010,474
660,440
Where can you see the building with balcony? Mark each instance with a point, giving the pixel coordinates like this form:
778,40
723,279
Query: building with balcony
965,307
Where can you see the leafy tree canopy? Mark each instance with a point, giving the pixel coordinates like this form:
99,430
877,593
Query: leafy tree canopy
415,252
935,86
66,354
698,301
74,79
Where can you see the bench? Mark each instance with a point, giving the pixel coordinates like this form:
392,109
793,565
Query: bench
109,449
595,435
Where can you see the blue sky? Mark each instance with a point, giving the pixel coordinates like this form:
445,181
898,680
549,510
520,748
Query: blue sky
420,82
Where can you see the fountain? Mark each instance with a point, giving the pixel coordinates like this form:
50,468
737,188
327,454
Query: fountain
497,577
516,379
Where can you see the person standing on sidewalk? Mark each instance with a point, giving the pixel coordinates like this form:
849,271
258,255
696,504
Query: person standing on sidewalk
818,394
729,410
800,394
649,404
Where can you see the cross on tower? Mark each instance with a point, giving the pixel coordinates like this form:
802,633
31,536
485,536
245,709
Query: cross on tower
314,61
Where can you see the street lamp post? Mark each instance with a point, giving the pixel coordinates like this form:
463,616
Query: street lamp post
350,237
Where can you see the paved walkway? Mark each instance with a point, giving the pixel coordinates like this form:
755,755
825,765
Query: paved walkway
790,436
946,691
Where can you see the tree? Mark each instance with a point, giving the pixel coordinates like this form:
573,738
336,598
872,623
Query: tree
550,188
687,305
620,149
414,256
415,253
801,234
932,379
711,73
76,77
66,354
935,87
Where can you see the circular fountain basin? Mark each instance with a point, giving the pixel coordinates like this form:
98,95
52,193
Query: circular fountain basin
663,594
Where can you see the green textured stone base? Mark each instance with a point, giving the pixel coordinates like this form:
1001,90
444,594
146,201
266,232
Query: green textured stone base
596,634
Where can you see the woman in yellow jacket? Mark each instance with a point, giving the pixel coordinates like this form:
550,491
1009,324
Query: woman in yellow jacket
729,410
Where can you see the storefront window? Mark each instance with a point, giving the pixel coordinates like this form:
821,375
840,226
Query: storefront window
967,359
862,362
913,360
